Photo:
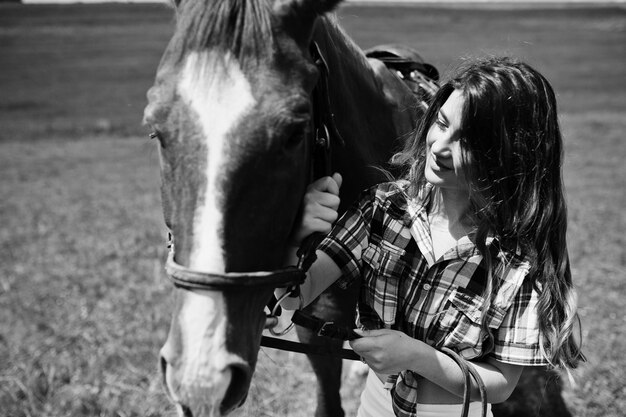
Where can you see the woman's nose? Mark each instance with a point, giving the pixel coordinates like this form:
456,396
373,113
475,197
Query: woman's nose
441,148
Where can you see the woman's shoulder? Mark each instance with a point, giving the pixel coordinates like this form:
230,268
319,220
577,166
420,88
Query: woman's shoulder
513,266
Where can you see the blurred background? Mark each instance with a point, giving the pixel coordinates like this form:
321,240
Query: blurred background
84,303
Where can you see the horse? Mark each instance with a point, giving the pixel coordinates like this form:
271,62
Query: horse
233,110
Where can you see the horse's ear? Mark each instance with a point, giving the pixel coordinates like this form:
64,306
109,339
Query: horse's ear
320,6
306,6
301,14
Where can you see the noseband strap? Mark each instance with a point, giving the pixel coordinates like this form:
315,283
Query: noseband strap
191,279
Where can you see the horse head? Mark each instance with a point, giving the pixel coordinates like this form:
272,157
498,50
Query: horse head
231,109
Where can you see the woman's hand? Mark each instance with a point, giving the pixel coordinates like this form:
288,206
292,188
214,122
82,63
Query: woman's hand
387,351
320,205
390,351
319,212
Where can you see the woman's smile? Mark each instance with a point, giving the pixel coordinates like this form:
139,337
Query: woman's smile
439,164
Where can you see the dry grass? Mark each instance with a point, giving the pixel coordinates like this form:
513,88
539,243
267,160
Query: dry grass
83,300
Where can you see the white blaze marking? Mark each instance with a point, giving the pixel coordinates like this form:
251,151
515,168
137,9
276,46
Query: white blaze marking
204,323
214,87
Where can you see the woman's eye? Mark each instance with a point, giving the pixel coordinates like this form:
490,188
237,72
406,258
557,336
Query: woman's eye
440,123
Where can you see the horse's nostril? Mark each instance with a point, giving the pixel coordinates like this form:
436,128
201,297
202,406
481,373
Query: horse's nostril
163,364
186,412
237,389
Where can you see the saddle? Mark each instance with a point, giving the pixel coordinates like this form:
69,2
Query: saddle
406,63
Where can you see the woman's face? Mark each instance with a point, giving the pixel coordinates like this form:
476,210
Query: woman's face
444,161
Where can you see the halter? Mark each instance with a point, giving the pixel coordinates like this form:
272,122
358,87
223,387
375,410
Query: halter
183,277
290,277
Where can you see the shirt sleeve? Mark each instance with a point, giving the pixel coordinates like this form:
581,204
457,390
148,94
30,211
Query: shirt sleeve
349,237
517,339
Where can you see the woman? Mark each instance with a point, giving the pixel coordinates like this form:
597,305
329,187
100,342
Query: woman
467,251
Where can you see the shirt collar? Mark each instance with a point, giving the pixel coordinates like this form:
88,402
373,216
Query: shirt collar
420,231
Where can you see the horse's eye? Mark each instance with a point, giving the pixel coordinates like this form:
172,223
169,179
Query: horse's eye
156,135
295,138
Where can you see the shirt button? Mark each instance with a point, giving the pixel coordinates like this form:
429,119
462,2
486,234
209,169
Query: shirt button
427,287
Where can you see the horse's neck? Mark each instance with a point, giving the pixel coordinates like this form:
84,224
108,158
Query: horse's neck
345,59
367,121
355,92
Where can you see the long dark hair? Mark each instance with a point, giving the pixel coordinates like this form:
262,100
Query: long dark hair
513,152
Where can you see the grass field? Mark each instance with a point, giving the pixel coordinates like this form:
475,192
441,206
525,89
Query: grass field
84,304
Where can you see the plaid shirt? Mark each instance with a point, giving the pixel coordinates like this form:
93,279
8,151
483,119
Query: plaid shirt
384,238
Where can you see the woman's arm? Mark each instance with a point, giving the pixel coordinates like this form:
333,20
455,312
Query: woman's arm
319,212
390,351
500,378
322,274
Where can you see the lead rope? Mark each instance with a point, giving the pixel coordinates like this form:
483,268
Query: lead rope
306,257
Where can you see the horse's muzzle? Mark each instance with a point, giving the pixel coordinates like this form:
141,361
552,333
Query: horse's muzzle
214,396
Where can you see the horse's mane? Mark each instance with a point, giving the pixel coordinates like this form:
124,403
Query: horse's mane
242,27
334,32
354,76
